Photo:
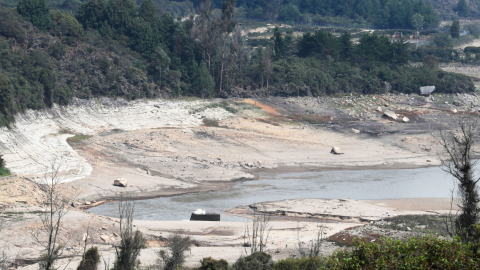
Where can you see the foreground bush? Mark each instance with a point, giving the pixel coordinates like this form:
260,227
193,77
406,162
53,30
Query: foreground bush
212,264
309,263
415,253
90,259
255,261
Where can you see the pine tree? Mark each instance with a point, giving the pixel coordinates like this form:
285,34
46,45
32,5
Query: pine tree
92,14
455,29
37,12
346,43
203,82
148,12
462,8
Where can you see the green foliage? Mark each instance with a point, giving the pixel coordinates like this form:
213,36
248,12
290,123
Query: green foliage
455,29
414,253
174,257
92,14
474,29
7,99
443,40
289,12
90,259
388,13
431,62
212,264
203,83
309,263
65,24
57,50
37,12
10,25
462,8
417,21
4,171
78,138
127,253
255,261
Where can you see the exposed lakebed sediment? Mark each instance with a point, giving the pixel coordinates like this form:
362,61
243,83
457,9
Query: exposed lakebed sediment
166,148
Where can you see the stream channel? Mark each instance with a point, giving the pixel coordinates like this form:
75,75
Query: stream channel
429,182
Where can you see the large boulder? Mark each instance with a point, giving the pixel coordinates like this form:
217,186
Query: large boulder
120,182
391,115
335,150
427,90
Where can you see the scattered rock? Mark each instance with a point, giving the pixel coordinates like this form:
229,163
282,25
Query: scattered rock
335,150
104,228
115,234
428,160
104,237
427,90
355,130
120,182
88,203
454,110
408,229
379,109
390,114
457,102
405,119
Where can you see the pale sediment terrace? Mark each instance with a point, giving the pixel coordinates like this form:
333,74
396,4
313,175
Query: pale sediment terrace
38,137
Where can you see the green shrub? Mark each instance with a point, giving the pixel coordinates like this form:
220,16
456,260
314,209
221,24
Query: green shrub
57,50
212,264
4,171
90,259
37,12
311,263
255,261
65,24
414,253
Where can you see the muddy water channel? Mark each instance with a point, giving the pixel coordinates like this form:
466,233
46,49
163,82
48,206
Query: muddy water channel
429,182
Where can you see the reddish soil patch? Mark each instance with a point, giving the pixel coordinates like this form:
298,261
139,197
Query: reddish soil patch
344,238
265,107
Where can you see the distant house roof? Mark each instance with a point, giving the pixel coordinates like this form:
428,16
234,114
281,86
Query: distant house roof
427,90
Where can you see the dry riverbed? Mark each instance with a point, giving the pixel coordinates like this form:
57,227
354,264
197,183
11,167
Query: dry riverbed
168,147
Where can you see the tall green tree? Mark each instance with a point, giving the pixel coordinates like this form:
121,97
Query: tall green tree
203,83
120,14
462,8
37,12
148,12
279,44
92,14
346,46
7,98
455,29
160,61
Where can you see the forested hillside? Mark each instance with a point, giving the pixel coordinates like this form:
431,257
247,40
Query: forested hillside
120,48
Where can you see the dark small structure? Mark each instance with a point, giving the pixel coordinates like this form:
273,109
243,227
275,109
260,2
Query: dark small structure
205,217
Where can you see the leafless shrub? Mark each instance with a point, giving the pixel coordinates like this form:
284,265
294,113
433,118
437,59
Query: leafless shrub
315,245
126,253
56,203
256,234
